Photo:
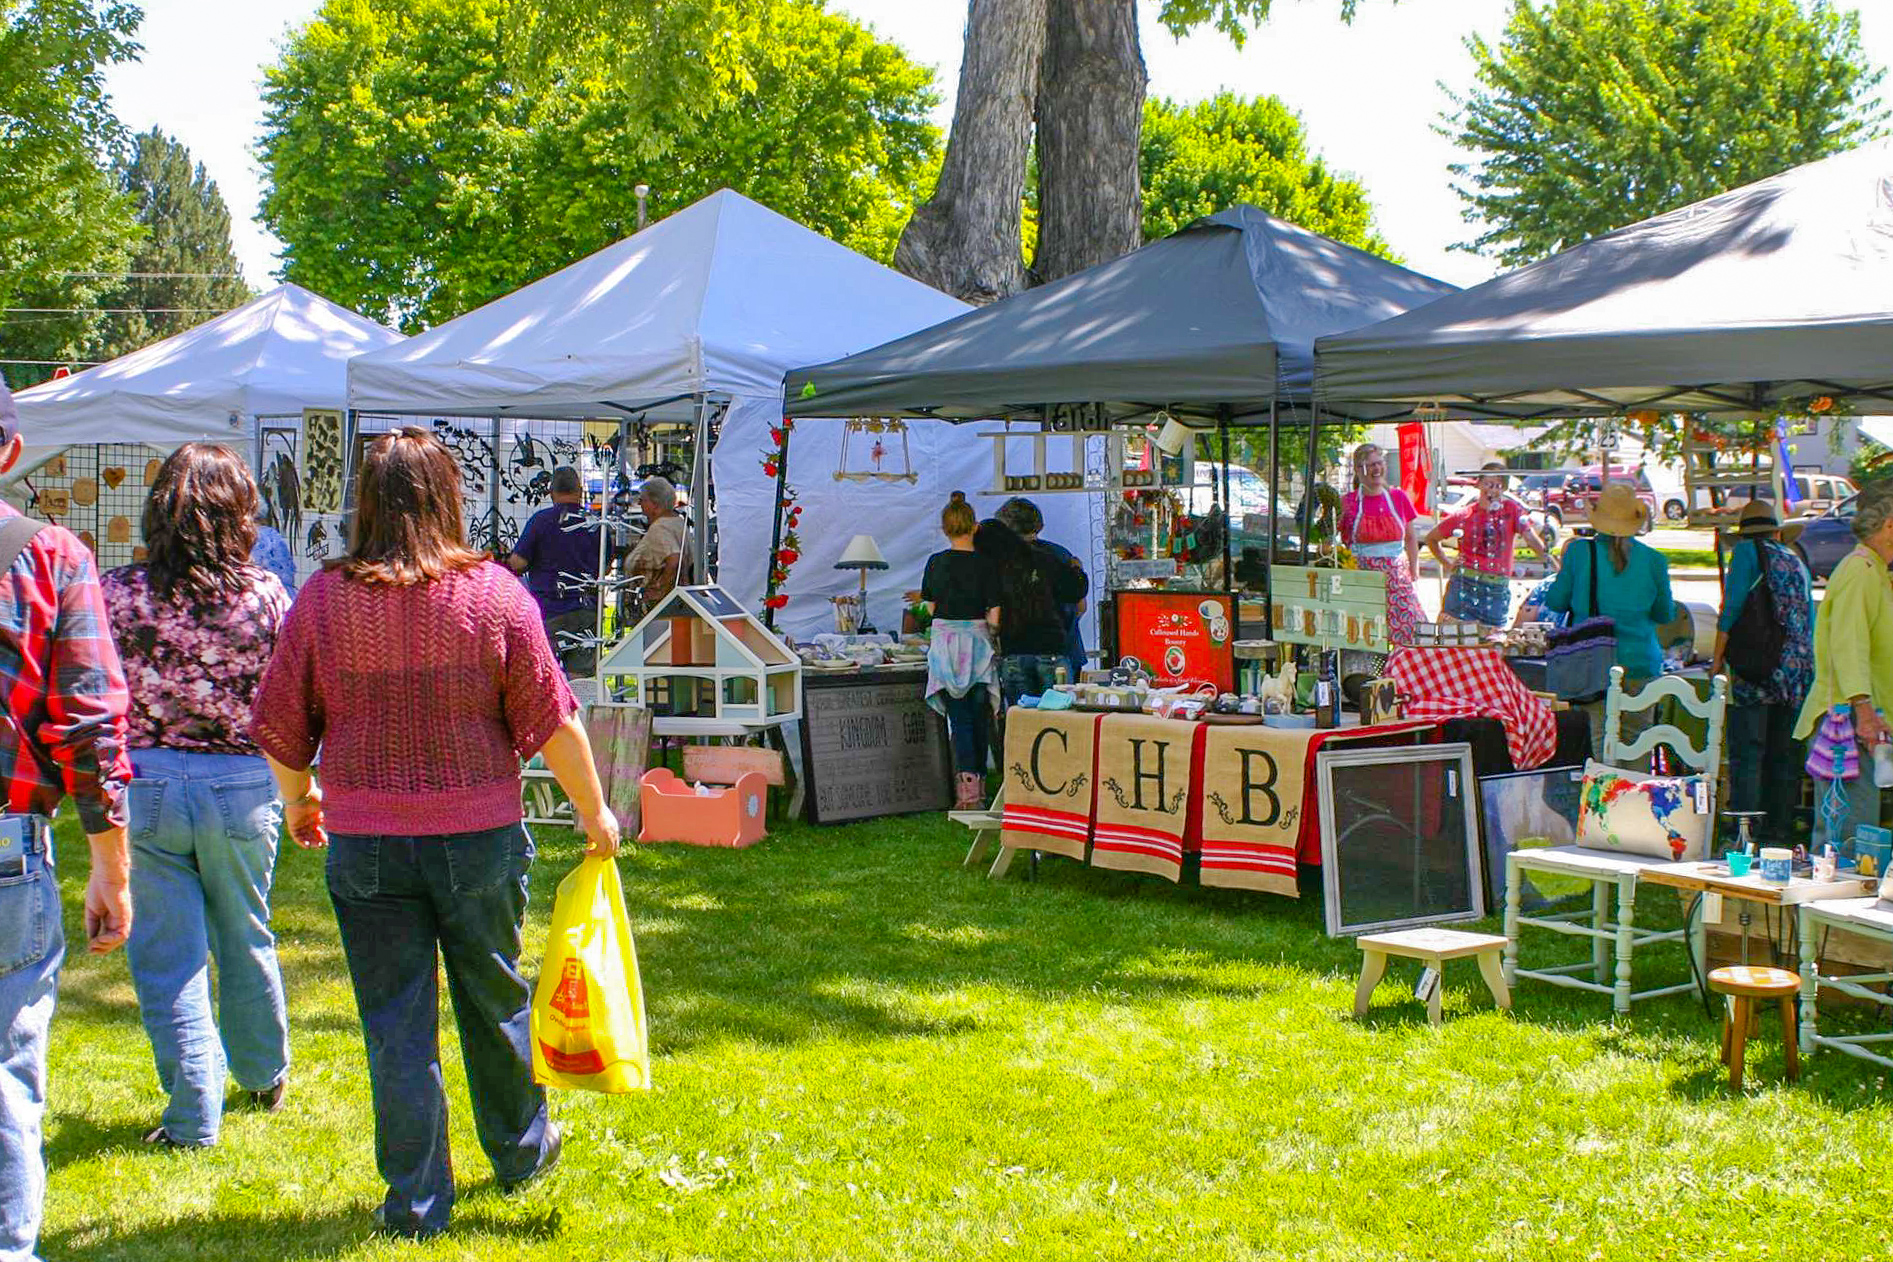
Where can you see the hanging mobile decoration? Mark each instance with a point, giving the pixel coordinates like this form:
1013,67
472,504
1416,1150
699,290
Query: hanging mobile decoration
878,451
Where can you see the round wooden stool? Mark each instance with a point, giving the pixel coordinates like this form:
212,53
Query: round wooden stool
1744,985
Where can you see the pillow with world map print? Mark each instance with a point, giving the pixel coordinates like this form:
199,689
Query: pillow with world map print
1663,817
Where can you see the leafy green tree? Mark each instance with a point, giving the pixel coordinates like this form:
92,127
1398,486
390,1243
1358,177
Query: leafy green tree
418,166
1199,159
62,221
1594,114
185,271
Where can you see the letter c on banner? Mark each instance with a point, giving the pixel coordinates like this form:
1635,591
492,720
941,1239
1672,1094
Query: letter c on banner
1039,740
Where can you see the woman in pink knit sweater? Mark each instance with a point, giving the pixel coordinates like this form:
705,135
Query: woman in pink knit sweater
421,671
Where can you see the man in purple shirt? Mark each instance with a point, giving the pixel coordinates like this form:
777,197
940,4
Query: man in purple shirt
558,564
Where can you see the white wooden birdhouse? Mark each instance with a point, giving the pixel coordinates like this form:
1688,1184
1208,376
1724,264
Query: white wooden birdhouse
700,658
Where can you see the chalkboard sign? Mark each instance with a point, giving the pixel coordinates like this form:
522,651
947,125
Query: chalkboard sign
872,746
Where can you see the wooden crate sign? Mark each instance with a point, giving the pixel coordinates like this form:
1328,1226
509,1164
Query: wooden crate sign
871,748
1330,608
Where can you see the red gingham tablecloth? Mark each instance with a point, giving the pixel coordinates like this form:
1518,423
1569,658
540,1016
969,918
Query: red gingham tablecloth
1455,683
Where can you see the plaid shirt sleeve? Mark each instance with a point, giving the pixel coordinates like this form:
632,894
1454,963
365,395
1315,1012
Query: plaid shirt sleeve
86,701
67,696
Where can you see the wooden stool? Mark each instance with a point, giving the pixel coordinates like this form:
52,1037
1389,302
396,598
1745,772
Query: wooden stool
1432,947
1744,985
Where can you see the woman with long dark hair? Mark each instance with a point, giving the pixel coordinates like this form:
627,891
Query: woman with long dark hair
422,671
195,626
1032,584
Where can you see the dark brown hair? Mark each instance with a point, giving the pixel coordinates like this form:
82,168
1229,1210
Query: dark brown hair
200,523
957,519
408,526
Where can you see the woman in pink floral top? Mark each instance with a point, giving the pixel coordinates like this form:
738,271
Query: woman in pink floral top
196,626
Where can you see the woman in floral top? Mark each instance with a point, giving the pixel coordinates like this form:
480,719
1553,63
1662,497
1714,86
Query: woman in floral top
196,625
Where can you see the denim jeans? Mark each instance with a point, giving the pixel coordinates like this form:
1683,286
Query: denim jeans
969,724
1027,674
32,947
1766,764
399,901
204,831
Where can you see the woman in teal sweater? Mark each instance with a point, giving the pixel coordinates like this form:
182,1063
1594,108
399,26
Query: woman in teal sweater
1633,588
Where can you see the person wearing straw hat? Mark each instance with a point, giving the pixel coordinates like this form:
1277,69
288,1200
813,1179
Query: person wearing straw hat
1620,578
1480,587
1764,757
1852,692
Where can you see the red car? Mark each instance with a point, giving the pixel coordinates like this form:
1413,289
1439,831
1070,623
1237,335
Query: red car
1570,504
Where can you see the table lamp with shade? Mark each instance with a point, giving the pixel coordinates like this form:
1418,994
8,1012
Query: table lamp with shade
862,554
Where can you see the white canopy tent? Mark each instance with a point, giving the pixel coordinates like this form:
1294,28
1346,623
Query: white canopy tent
703,312
273,356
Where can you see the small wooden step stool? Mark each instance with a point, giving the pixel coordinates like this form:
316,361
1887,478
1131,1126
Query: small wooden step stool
1744,985
1432,947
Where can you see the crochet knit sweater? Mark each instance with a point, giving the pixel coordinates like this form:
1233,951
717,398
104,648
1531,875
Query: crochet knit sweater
422,698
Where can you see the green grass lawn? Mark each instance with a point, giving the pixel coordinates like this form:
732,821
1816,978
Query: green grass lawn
863,1050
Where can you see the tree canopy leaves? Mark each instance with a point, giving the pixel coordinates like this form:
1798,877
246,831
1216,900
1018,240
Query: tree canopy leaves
185,271
1593,114
59,211
1202,158
418,166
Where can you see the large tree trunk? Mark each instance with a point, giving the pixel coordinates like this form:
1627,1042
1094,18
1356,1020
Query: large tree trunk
1090,119
965,239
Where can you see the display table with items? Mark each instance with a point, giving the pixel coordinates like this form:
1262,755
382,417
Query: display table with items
1134,792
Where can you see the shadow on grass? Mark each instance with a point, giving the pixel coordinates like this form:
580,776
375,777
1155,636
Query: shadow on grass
278,1233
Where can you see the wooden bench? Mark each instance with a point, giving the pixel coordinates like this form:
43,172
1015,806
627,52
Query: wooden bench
985,825
1432,947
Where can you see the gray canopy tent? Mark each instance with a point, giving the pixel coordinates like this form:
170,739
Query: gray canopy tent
1750,301
1215,323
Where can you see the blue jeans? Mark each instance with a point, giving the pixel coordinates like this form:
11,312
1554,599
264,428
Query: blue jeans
399,901
969,724
204,831
32,947
1027,674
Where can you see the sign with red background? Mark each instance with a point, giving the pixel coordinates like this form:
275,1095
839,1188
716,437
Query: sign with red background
1179,636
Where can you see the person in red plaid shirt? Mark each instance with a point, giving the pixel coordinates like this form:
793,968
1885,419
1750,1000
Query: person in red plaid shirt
64,734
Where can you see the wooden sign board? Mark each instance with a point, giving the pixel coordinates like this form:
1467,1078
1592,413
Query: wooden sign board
872,747
1329,608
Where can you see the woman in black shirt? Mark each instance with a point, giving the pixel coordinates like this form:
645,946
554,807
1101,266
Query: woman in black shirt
1032,583
961,589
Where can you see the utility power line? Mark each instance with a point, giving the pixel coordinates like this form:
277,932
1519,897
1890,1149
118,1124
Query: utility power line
154,275
113,310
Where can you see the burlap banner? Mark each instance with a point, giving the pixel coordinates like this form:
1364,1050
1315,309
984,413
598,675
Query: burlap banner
1050,774
1252,789
1143,794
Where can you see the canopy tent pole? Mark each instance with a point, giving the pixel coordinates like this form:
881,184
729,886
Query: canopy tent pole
1308,489
1275,499
775,529
493,482
700,493
1229,524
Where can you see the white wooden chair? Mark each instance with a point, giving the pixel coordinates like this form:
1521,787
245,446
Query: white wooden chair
1869,918
1615,940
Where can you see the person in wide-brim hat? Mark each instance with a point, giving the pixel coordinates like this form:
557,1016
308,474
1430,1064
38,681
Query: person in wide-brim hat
1619,512
1758,521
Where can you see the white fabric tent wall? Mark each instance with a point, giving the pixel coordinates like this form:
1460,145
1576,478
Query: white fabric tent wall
904,519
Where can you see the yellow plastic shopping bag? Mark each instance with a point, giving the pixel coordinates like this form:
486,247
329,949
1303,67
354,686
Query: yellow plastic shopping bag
588,1010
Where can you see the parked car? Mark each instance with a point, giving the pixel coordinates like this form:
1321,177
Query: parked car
1248,490
1828,538
1815,493
1570,504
